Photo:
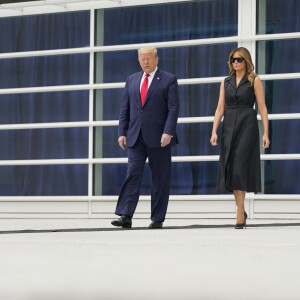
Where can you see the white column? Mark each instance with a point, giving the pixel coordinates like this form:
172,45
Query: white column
247,29
261,62
91,110
247,24
98,146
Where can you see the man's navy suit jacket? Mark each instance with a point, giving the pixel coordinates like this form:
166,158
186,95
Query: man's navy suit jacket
159,113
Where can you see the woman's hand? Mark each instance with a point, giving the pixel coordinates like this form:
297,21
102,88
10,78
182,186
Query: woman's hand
213,139
265,141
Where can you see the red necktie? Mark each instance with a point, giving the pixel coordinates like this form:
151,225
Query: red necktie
144,89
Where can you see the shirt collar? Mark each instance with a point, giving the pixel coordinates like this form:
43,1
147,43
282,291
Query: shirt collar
152,73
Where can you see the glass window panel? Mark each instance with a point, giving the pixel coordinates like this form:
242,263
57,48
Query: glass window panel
195,100
284,137
106,143
192,178
193,140
198,100
107,104
48,180
44,143
44,107
282,96
167,22
277,16
281,177
184,62
45,32
188,178
44,71
279,56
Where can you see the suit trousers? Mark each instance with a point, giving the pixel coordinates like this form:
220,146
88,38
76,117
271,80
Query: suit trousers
160,170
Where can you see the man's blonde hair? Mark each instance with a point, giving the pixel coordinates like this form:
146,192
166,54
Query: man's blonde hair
147,49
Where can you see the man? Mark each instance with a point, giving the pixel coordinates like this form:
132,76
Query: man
147,126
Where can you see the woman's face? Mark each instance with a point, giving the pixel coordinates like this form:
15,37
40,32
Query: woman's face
238,62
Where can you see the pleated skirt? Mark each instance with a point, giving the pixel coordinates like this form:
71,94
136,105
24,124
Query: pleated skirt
239,164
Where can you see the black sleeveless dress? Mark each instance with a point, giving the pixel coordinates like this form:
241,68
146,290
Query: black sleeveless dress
239,165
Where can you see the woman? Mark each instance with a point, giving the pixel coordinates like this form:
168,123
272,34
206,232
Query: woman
239,165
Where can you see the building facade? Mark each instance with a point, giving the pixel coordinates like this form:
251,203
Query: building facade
63,66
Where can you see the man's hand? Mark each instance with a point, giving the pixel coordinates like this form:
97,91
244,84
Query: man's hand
122,142
165,139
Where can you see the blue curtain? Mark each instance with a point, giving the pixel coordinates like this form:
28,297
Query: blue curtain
278,17
39,33
282,96
181,21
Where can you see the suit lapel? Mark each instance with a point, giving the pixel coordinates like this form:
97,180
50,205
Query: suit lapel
156,79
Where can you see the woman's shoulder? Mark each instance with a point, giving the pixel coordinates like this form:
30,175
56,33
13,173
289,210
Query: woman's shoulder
256,79
229,78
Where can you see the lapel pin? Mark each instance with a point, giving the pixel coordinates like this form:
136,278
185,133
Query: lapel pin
157,78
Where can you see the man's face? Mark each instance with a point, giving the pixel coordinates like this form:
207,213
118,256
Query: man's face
148,62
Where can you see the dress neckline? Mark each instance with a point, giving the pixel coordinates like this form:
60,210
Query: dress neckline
237,85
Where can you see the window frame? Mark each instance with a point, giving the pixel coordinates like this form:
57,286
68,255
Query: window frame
246,37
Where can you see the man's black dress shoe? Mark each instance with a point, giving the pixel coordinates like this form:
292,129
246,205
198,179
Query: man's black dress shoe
124,222
155,225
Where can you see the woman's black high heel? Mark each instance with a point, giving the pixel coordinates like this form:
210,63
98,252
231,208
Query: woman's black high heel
242,225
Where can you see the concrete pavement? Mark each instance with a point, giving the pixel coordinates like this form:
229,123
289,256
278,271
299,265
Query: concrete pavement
188,259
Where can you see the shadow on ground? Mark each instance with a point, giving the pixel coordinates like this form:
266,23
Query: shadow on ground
145,228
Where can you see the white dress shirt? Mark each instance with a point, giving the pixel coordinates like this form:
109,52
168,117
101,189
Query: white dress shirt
150,78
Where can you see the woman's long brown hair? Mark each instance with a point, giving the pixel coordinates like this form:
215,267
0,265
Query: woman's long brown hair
249,64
